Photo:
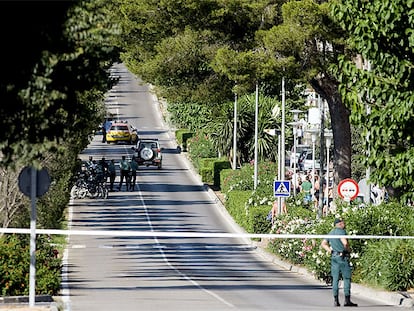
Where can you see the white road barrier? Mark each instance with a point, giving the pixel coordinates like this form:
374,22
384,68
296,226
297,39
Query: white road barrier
130,233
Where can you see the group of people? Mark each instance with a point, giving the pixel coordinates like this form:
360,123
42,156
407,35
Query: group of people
302,182
127,169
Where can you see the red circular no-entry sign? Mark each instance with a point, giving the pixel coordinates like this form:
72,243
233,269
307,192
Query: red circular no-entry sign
348,189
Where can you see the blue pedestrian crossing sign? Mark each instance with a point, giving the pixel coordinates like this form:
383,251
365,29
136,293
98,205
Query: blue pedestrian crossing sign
281,188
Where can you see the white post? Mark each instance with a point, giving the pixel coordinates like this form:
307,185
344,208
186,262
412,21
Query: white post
256,128
235,133
279,173
32,271
282,138
313,161
295,138
328,136
294,161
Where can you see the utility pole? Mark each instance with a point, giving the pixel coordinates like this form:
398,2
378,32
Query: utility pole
235,133
256,129
282,147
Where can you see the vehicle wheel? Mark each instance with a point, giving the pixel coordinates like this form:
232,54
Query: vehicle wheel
74,192
146,154
105,192
82,192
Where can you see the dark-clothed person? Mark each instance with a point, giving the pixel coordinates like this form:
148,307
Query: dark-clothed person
124,168
134,167
112,174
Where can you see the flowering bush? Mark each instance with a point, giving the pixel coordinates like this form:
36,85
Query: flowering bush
379,263
293,250
200,146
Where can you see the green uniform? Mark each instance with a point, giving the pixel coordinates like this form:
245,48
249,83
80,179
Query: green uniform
306,188
339,263
134,167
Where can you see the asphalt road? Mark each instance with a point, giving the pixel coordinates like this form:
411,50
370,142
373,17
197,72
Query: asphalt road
171,273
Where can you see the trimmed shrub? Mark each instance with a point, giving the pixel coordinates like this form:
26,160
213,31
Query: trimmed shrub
257,220
182,136
236,206
206,170
218,166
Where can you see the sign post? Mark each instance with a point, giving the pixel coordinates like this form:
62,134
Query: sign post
33,183
348,189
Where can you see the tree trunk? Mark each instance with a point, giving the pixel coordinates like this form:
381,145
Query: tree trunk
327,87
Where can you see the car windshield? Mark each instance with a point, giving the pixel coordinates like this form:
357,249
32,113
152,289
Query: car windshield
119,128
148,145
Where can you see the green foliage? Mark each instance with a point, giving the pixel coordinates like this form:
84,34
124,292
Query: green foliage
193,116
381,94
218,166
182,136
200,146
392,260
69,56
388,265
15,265
207,170
236,206
257,220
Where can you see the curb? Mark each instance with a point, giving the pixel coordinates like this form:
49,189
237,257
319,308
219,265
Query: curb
45,302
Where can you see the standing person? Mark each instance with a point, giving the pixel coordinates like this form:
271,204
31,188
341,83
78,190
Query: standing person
103,133
339,250
316,187
89,163
134,167
112,174
306,188
104,168
125,168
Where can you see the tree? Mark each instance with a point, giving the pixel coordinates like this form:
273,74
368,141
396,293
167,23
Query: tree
52,86
311,43
381,95
44,89
191,48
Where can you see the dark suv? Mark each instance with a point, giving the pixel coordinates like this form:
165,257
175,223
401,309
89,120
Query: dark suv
148,152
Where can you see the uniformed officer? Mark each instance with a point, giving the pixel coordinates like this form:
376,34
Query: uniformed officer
125,169
134,167
339,250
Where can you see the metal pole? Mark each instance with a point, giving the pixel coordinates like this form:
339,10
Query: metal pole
313,162
328,144
282,151
279,173
321,148
367,194
32,272
235,133
294,160
256,128
295,143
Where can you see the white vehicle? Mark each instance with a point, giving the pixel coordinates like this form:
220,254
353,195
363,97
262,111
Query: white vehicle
306,161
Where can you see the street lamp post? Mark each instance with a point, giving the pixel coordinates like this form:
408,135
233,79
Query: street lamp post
274,132
295,124
235,133
328,140
256,127
313,132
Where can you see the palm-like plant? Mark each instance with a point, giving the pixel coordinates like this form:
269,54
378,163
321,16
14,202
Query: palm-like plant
221,129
